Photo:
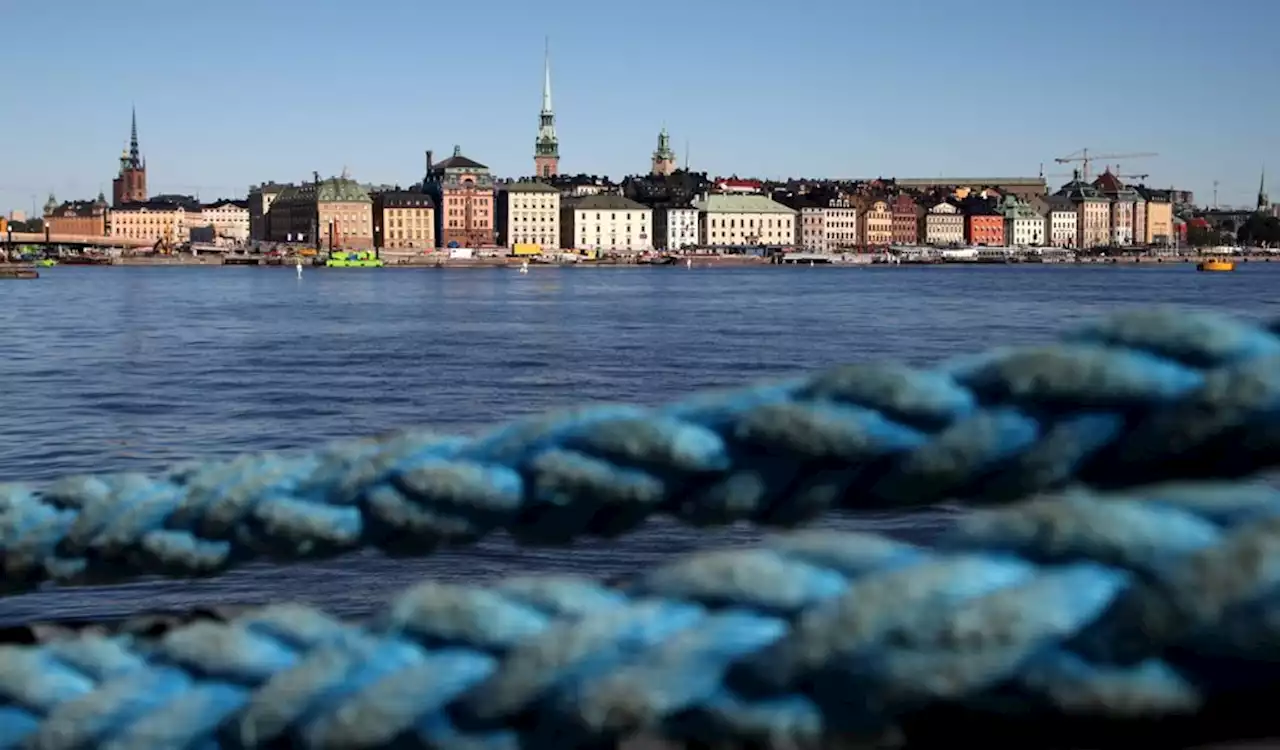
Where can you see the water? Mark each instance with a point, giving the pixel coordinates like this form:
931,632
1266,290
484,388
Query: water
112,368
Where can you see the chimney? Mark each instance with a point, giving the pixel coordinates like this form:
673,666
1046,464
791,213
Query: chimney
428,160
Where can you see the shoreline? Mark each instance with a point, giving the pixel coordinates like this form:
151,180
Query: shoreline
703,263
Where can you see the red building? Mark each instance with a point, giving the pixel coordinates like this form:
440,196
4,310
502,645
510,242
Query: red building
984,229
462,190
906,220
130,186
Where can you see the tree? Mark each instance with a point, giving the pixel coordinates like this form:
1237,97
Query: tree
1261,230
1201,236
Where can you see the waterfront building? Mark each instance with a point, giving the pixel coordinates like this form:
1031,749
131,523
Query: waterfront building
462,189
944,225
1023,225
229,219
1125,215
906,220
80,218
1060,222
664,159
606,223
529,213
983,225
336,209
130,183
403,220
260,199
876,223
546,147
813,230
1093,213
828,222
675,227
744,220
1158,227
168,220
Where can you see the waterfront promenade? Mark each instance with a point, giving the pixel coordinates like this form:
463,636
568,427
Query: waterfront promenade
697,261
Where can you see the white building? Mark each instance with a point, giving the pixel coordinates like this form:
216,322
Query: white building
229,219
1024,229
943,225
610,223
1023,224
828,228
675,228
744,220
529,213
1061,223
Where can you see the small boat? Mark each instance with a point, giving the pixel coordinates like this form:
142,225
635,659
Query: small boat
358,259
23,272
1216,265
47,263
86,260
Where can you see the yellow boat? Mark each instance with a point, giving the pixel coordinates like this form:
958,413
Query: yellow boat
1216,264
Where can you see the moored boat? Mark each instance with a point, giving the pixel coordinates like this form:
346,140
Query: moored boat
1218,265
19,272
356,259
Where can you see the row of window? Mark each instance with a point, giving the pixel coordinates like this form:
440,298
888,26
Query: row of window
409,234
749,223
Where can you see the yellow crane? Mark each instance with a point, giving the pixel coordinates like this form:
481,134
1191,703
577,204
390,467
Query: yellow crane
1085,158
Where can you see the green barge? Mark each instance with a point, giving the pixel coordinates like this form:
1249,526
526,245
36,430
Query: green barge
353,259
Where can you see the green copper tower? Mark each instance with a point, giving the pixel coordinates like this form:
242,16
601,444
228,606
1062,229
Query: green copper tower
546,148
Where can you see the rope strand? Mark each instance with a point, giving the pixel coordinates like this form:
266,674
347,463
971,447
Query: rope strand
1131,607
1143,397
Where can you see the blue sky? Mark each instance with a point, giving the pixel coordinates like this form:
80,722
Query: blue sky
242,91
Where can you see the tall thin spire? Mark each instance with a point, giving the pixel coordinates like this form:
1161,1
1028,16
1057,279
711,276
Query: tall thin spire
546,147
134,157
1262,190
546,76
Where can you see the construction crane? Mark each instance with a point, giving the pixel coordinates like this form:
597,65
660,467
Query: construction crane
1115,170
1085,158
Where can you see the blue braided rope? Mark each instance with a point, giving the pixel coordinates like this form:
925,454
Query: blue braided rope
1137,398
1148,605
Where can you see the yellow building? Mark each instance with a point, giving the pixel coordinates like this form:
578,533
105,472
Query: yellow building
529,213
877,225
155,221
1159,229
404,220
744,221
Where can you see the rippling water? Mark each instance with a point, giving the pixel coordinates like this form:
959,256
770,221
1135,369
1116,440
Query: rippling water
113,368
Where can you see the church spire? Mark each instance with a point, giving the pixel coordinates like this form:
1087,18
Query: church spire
546,77
1262,191
133,135
546,147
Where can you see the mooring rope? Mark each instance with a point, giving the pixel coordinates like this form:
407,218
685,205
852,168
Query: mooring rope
1142,397
1153,603
1135,606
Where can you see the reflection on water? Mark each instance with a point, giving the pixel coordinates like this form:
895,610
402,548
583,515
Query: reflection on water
109,368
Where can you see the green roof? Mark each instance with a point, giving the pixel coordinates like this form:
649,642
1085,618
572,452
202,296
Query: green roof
722,203
342,190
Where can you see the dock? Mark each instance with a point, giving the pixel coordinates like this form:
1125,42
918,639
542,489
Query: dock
19,272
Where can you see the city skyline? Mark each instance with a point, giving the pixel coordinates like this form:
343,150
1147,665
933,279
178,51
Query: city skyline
805,111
